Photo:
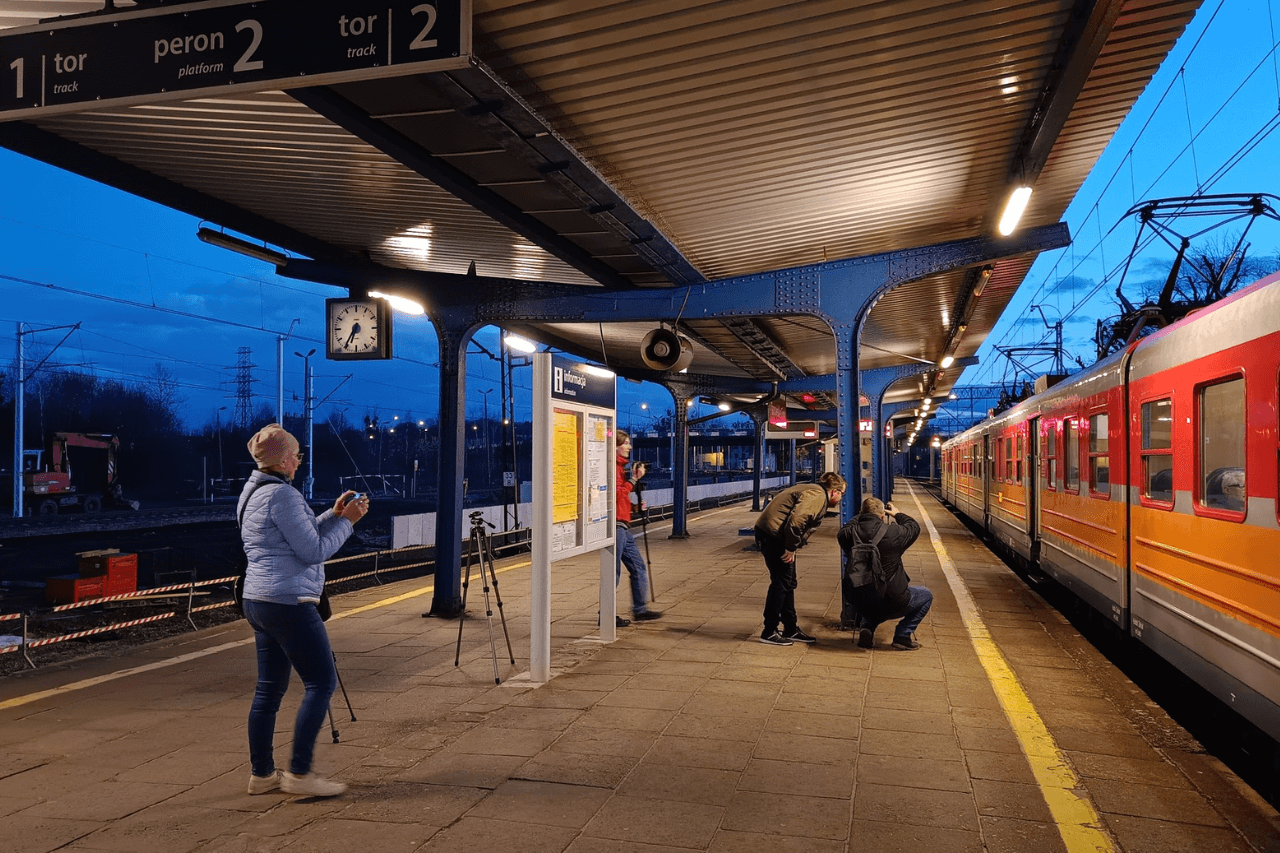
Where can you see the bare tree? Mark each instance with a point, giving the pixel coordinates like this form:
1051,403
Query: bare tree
1215,268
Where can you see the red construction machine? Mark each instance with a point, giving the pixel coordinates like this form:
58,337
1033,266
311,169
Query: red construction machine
54,486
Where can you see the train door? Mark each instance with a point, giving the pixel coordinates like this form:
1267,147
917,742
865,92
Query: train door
1031,479
985,477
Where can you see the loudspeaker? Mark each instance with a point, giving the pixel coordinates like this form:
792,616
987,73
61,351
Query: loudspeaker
664,350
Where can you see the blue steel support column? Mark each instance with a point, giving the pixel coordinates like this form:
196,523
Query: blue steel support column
793,461
875,383
446,601
679,467
847,411
887,412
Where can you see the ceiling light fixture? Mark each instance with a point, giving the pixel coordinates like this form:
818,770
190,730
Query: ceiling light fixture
243,247
400,303
518,343
1013,210
984,276
947,361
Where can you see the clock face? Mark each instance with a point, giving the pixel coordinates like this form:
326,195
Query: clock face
357,329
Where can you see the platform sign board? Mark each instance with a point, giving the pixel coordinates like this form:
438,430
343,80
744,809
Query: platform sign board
574,420
187,50
793,429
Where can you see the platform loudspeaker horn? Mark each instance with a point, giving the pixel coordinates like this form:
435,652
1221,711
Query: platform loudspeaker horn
666,351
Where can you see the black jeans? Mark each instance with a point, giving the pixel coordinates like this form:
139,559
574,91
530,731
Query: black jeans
780,601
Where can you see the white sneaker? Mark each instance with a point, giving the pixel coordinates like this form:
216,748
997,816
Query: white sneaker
264,784
310,785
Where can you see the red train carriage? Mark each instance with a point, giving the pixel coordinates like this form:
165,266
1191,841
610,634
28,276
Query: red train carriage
1148,486
1204,576
1080,495
1010,502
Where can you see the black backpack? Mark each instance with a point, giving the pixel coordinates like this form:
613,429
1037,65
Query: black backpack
862,565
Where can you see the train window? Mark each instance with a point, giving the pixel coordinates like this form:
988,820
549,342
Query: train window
1008,459
1099,461
1017,464
1222,437
1070,455
1157,450
1051,455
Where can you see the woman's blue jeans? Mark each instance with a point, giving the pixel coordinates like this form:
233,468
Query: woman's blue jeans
289,636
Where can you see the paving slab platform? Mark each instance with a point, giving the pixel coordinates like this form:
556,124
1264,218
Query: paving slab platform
1005,732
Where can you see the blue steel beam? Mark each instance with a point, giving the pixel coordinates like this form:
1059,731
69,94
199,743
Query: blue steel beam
356,121
840,292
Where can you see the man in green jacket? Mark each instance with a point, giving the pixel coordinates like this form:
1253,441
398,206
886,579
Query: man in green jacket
781,530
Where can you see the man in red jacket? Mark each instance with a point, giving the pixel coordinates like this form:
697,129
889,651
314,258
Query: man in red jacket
625,543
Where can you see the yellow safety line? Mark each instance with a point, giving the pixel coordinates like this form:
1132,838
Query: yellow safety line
1077,822
213,650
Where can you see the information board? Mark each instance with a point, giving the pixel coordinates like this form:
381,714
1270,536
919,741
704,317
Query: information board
574,445
161,53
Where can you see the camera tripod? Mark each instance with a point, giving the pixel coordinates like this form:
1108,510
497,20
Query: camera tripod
483,552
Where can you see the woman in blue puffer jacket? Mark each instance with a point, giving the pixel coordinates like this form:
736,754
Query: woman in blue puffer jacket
286,545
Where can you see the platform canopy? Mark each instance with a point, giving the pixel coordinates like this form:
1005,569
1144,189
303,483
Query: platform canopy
612,143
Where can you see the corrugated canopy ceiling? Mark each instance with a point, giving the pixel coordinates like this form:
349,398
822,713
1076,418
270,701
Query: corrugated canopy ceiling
655,144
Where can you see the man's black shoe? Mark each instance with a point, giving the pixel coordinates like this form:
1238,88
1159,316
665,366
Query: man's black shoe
906,644
866,638
620,622
775,639
647,615
795,635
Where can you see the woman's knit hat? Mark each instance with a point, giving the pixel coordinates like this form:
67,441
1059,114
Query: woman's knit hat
272,445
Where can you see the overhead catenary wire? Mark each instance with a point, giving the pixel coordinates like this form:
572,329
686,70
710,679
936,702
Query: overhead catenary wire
1054,281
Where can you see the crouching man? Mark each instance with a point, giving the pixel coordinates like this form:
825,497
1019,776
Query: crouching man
891,533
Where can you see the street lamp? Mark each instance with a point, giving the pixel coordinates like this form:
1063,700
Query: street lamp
630,406
307,379
488,455
218,415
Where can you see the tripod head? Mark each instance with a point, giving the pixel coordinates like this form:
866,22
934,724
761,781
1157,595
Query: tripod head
477,520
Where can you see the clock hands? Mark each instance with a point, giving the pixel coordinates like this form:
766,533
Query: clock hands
355,328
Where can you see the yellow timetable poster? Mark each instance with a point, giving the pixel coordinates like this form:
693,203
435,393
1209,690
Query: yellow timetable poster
564,468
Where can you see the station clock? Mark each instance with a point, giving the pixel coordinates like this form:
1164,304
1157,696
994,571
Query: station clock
357,329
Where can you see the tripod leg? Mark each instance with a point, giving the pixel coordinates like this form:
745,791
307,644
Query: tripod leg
488,611
501,613
350,710
466,583
332,728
